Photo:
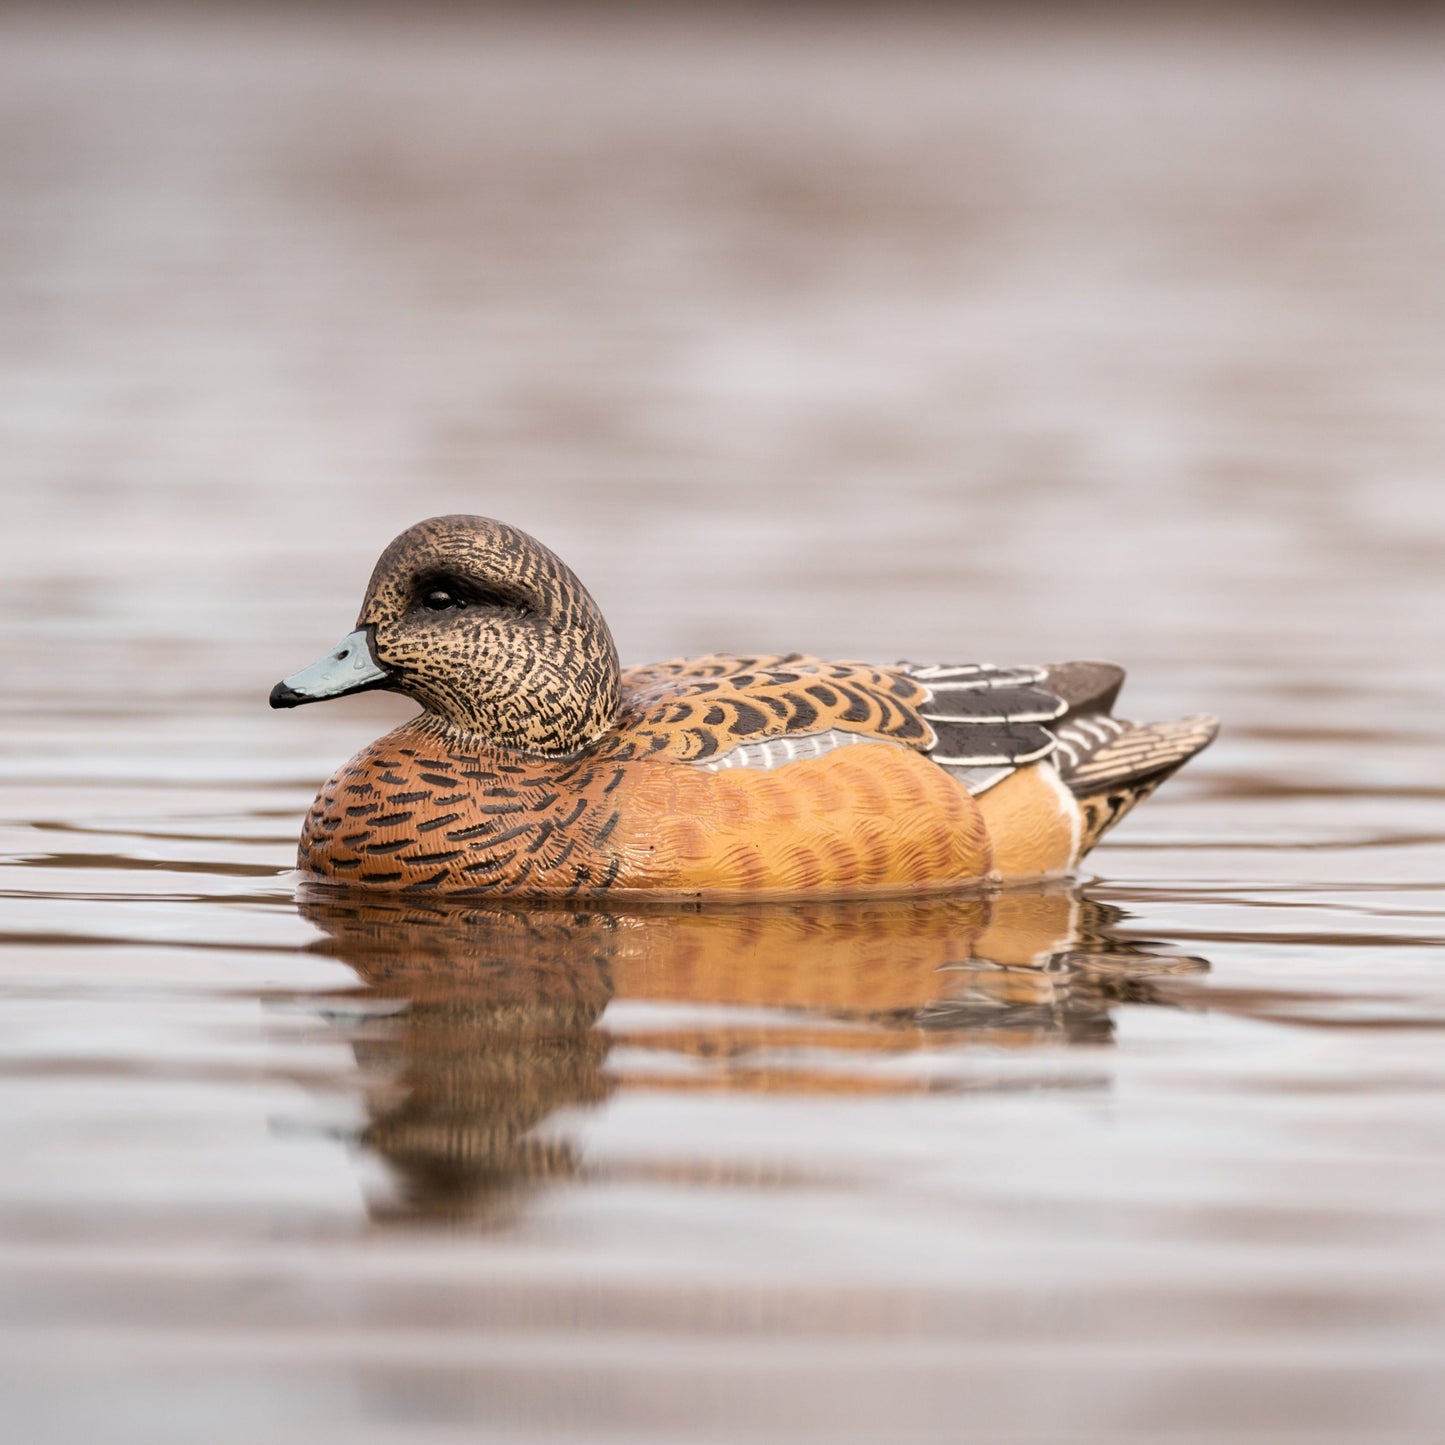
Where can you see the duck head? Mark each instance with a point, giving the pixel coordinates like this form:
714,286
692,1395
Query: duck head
490,631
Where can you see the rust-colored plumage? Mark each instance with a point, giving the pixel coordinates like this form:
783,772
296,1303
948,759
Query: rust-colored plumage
539,767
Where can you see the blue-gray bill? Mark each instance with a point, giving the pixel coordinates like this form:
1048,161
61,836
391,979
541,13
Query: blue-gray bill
348,667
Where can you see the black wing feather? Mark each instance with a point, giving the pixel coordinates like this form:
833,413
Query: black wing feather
971,745
987,720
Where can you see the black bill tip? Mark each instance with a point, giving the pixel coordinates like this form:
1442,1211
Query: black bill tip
283,696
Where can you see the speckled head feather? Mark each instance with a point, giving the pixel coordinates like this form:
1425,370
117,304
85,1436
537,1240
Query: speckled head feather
494,635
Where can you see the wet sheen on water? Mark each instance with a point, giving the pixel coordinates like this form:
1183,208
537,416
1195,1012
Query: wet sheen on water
930,339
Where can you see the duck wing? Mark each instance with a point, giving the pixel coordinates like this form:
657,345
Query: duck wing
986,720
978,721
989,721
706,710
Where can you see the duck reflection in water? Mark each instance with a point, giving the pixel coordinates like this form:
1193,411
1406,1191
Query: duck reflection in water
499,1020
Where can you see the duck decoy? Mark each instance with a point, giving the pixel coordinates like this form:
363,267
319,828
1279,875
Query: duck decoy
540,767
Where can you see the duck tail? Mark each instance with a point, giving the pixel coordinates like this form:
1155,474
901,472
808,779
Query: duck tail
1087,687
1110,765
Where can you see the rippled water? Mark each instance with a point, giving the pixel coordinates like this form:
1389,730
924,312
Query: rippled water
931,338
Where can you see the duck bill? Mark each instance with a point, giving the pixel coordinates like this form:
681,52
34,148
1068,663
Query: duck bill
348,667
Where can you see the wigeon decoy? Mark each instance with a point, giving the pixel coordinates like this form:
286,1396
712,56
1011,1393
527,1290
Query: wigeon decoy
540,767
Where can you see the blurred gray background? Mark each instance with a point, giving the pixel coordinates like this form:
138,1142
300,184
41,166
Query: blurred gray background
928,333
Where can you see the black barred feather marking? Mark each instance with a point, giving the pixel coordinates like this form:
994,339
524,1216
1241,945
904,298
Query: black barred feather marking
1098,812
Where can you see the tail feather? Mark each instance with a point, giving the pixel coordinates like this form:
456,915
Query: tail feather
1111,765
1086,687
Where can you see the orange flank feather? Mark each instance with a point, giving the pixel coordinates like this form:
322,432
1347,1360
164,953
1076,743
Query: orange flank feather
857,820
1032,822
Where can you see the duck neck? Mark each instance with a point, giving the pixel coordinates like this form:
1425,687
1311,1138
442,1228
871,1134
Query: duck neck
567,698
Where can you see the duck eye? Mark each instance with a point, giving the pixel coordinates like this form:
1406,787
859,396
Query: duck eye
438,599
